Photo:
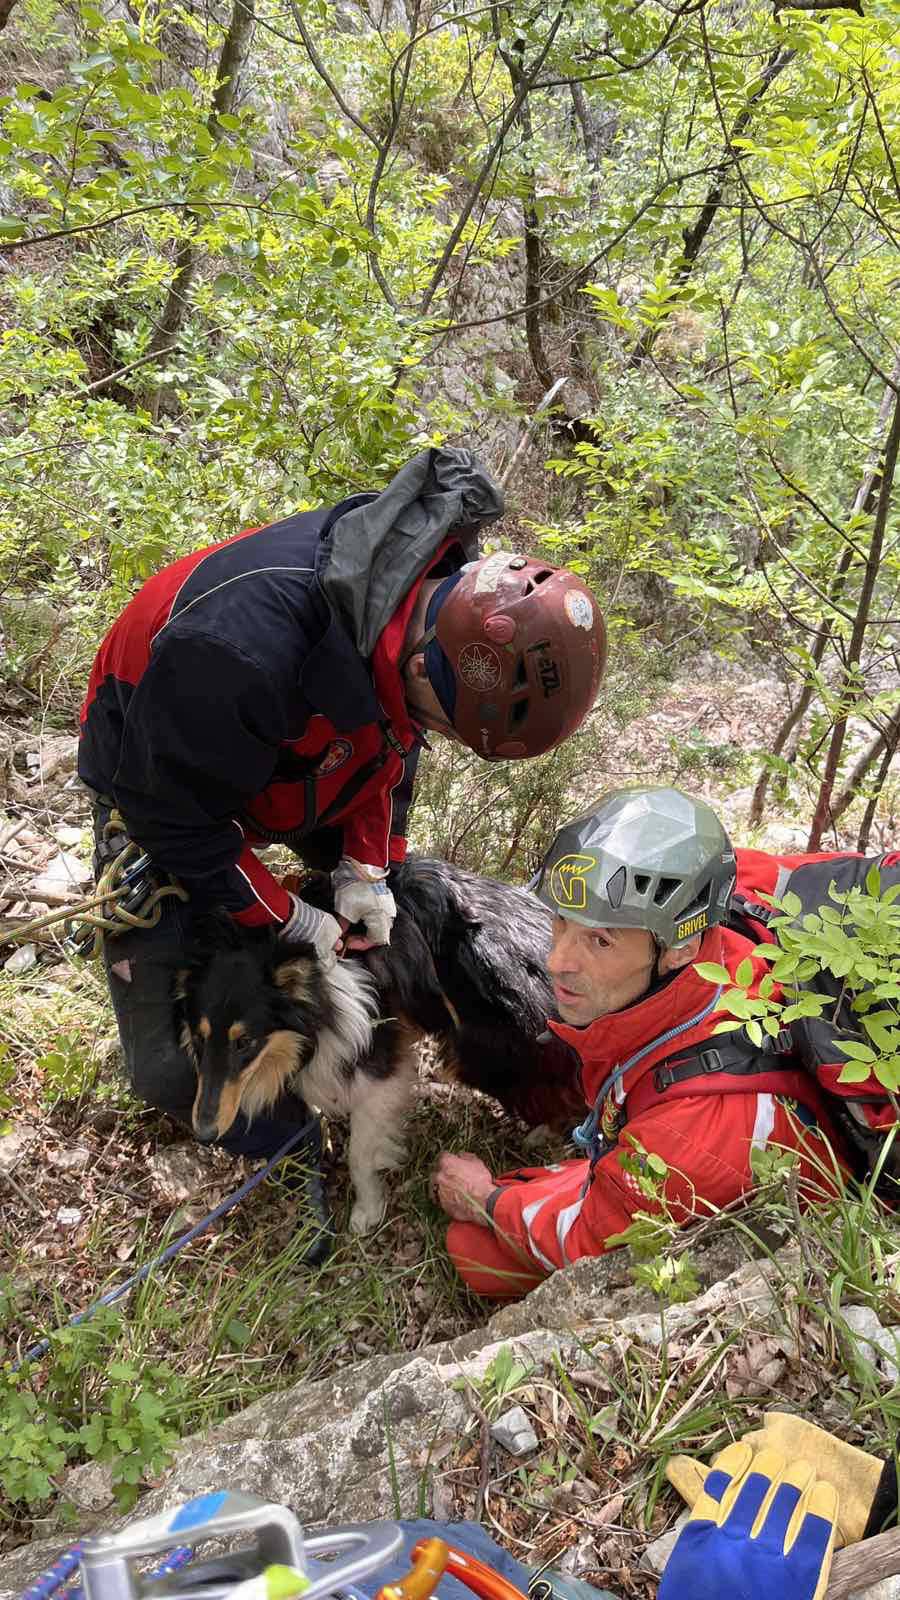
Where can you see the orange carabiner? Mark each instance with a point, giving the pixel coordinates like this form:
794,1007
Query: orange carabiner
476,1575
429,1559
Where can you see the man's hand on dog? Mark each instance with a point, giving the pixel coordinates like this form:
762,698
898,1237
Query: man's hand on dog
461,1185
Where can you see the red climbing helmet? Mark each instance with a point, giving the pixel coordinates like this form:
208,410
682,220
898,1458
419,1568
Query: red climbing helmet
526,644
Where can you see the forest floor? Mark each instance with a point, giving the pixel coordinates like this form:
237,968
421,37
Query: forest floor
95,1184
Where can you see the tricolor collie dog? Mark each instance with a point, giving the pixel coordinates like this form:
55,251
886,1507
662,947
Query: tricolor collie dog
465,968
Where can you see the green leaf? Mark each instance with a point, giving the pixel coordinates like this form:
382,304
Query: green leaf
754,1033
854,1072
657,1165
744,973
11,229
238,1333
712,971
873,882
340,256
855,1050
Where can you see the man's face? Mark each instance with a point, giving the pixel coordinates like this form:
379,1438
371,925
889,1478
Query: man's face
597,970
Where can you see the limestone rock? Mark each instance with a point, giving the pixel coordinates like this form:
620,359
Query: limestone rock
513,1430
63,879
21,960
335,1450
657,1554
877,1343
178,1171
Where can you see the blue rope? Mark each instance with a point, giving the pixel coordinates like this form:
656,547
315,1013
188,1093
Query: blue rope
585,1135
224,1206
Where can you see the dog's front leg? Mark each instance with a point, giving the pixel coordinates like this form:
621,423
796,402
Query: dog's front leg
377,1112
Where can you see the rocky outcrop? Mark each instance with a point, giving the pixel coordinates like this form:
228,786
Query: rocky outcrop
362,1443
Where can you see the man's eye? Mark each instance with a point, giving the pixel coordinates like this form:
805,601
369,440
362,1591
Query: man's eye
601,940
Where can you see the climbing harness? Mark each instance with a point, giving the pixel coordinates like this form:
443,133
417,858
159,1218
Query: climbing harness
280,1562
127,895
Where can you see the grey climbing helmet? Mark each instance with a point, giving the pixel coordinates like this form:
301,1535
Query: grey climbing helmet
642,858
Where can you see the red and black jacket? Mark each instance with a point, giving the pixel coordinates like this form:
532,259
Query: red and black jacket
229,706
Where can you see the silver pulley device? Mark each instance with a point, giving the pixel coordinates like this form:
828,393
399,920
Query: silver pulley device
108,1561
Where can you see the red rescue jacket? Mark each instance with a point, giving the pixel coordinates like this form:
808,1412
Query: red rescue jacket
705,1136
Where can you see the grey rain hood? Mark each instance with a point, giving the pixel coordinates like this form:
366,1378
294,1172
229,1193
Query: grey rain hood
375,552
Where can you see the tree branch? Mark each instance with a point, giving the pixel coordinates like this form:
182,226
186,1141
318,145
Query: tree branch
481,178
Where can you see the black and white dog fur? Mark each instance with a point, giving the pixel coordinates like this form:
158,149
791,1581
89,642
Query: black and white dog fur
465,968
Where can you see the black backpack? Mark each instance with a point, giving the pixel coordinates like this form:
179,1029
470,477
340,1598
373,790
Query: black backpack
864,1111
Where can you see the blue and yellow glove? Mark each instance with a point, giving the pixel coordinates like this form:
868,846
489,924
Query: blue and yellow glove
762,1529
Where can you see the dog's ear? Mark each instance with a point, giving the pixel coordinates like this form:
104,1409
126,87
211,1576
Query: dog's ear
296,977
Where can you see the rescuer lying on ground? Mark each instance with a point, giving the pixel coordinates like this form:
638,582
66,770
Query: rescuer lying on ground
640,886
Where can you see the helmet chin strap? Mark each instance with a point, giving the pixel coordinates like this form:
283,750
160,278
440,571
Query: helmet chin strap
417,649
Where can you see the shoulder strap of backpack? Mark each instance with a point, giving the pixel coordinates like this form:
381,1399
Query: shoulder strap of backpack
735,1054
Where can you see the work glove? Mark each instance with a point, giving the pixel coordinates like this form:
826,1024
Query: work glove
361,895
306,925
762,1526
866,1487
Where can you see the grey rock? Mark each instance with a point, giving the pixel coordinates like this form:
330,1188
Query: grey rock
178,1171
887,1589
21,960
513,1430
14,1144
62,879
879,1344
336,1449
657,1554
583,1292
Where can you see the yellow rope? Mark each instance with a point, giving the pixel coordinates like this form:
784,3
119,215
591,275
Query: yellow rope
114,918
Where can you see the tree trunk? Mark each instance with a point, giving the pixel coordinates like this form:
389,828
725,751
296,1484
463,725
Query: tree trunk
886,739
6,7
598,132
231,59
862,502
851,688
531,230
694,235
890,750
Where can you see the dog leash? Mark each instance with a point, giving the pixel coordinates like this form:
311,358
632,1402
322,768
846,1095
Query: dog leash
221,1210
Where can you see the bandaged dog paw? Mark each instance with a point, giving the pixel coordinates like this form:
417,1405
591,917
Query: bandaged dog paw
306,925
361,895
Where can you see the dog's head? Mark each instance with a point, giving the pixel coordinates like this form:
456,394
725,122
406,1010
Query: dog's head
248,1019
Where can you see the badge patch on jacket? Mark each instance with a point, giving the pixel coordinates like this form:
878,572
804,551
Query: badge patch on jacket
339,751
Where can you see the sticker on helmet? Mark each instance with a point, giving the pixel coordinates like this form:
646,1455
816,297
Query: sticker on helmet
567,881
687,929
491,569
339,751
579,610
550,676
479,666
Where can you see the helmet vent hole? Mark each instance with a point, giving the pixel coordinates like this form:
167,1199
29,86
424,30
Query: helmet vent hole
665,889
518,712
543,575
615,888
520,681
641,882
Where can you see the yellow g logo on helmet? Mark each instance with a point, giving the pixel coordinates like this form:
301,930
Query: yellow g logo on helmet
567,881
